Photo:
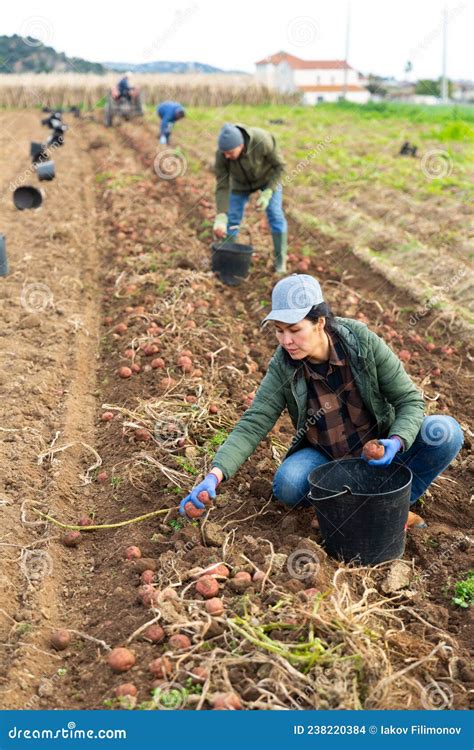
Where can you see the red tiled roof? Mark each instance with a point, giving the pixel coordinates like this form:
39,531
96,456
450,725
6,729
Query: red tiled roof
298,63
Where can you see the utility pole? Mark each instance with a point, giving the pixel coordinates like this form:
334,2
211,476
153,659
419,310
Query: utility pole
346,54
444,80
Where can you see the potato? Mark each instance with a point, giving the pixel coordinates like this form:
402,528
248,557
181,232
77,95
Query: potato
191,510
204,497
185,363
146,594
147,576
125,372
72,538
121,659
226,702
107,416
120,328
199,675
160,667
404,355
240,582
145,563
135,367
154,633
167,382
150,350
207,587
142,434
60,639
132,552
102,476
125,689
179,642
215,606
217,571
85,521
373,450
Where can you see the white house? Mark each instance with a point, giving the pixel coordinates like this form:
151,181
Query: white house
318,80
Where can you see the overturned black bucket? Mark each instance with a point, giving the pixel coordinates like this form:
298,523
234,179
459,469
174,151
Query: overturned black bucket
38,152
45,170
231,261
3,256
27,196
362,510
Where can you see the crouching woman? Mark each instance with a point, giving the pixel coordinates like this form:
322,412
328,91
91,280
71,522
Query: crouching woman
342,386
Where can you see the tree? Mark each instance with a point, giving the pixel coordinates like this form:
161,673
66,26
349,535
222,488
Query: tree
428,87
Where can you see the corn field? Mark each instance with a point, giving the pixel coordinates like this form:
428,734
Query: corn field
87,91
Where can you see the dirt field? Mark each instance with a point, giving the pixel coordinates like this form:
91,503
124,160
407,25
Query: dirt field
116,244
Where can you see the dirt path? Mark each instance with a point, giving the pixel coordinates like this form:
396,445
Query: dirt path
49,347
120,247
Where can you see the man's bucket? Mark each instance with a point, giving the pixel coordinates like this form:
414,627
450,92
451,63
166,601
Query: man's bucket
231,261
362,510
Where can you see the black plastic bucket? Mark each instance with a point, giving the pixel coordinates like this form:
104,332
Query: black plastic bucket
27,196
3,256
37,152
231,261
45,170
362,510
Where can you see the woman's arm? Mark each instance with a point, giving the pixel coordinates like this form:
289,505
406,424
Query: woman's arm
254,425
400,391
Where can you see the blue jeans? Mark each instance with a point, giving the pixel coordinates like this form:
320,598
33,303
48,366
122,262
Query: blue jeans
437,443
276,217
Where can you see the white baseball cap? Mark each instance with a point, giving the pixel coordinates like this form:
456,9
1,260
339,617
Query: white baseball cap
293,298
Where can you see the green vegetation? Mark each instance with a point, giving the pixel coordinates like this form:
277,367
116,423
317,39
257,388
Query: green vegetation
464,591
20,55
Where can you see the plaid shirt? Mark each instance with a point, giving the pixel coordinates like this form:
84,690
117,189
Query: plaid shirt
338,422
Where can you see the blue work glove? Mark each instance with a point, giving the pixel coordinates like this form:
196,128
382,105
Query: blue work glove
392,446
163,140
208,484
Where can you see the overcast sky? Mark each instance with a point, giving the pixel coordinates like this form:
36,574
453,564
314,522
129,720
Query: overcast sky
384,33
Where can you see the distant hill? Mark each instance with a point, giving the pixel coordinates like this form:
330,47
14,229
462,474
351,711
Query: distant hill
163,66
32,56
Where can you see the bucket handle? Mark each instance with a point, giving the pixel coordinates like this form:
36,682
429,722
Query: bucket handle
345,491
245,229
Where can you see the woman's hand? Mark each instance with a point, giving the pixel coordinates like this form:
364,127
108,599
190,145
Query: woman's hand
392,446
208,485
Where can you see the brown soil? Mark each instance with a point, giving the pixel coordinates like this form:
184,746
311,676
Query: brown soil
113,244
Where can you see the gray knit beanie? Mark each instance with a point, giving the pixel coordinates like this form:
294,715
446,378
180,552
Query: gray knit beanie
230,137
